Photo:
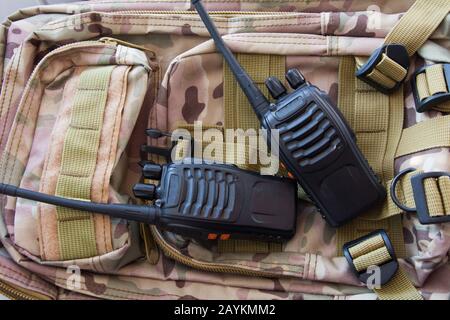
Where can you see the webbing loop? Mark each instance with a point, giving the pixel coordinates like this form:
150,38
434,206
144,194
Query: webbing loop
76,229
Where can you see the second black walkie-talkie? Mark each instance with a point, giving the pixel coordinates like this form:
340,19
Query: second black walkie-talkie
202,201
316,144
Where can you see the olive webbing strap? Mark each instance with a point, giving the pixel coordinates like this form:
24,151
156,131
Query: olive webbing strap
76,229
377,120
412,31
238,112
430,134
398,288
418,23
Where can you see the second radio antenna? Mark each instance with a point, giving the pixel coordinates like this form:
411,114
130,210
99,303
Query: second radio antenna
256,98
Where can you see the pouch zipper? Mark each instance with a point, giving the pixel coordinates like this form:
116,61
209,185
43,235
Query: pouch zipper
14,293
114,41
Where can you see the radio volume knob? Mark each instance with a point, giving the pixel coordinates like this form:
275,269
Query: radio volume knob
295,78
275,87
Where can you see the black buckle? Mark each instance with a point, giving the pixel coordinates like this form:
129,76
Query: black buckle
387,270
434,100
420,197
396,52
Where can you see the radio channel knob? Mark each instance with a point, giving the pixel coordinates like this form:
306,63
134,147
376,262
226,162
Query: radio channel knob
295,78
144,191
152,171
275,87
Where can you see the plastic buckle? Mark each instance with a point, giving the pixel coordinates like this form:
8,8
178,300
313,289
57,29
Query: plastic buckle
396,52
420,198
387,270
434,100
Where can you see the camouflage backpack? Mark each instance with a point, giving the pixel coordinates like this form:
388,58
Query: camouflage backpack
82,82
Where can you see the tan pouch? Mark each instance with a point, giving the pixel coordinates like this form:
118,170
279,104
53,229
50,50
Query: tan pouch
80,107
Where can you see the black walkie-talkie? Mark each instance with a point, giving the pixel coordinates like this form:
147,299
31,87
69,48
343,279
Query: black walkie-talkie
316,144
202,201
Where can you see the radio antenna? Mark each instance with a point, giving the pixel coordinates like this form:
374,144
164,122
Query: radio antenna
256,98
145,214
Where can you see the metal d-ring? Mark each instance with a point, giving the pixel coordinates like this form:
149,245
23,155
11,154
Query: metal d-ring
394,187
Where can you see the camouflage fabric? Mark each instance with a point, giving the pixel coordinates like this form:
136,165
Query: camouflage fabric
186,86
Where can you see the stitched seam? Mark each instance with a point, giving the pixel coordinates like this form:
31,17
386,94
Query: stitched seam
238,35
155,16
125,79
175,25
5,87
45,181
369,131
21,131
364,91
268,42
112,288
9,104
86,18
113,133
87,89
315,267
110,155
19,273
75,175
71,219
89,21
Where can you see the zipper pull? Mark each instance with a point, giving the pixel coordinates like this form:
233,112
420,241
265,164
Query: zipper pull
114,41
